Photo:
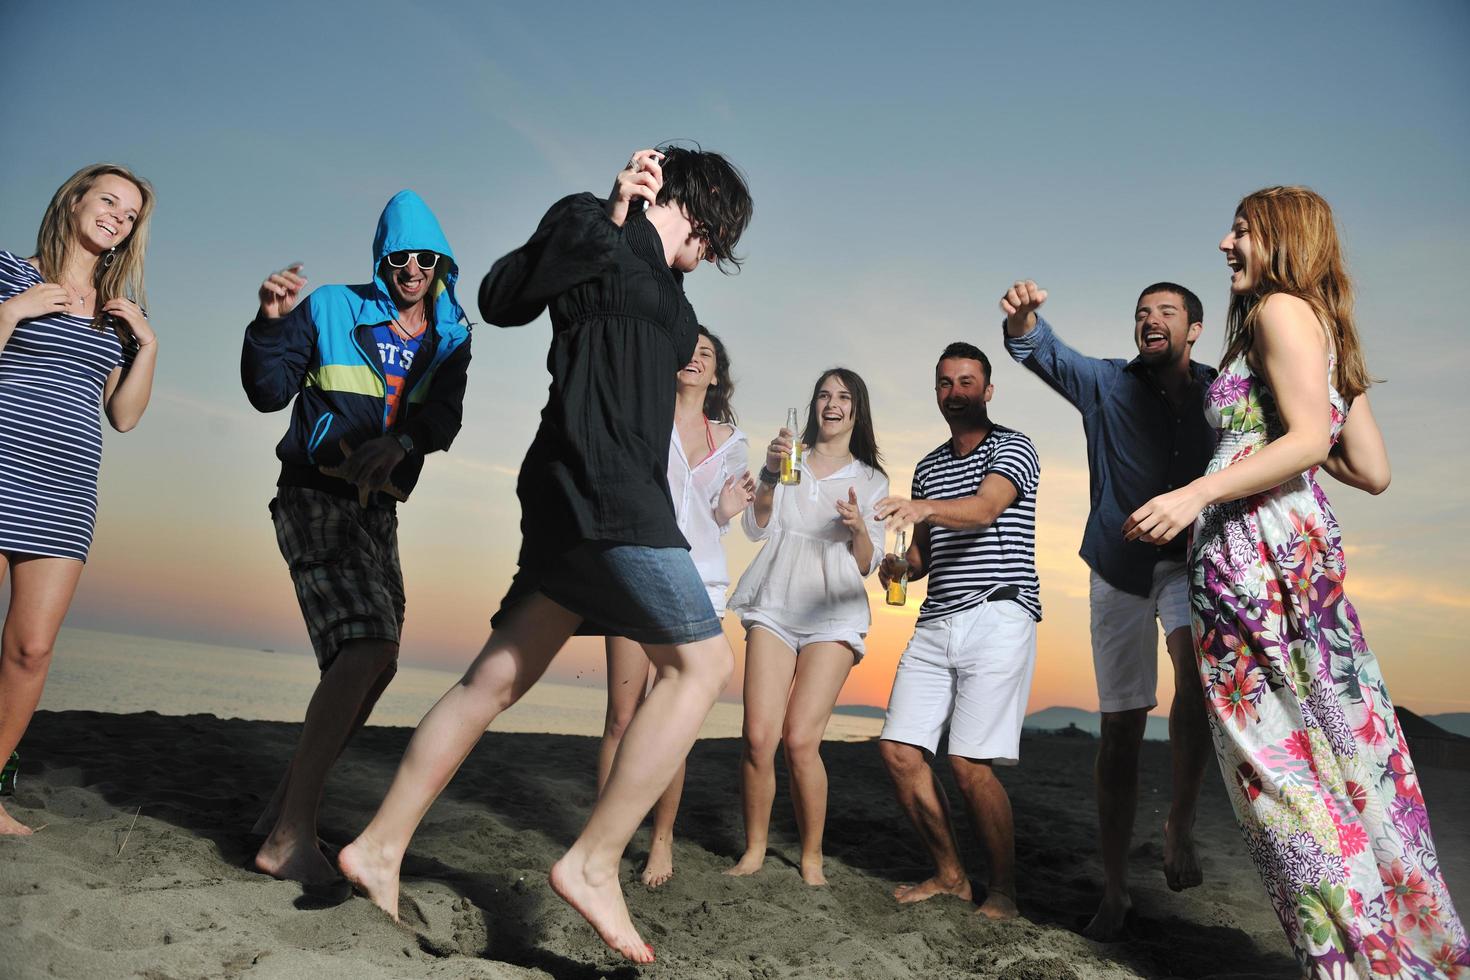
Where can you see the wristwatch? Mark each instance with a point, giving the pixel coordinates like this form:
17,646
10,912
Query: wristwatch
406,441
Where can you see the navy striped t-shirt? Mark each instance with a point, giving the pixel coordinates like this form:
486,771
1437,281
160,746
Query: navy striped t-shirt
966,566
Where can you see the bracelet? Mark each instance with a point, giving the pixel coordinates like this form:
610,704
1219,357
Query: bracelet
769,477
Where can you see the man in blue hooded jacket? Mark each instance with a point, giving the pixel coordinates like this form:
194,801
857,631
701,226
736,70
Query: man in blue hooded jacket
377,372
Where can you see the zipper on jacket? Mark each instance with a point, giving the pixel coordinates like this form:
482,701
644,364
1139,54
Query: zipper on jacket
377,367
318,433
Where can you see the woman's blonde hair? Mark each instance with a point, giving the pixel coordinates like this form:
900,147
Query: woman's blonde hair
1295,250
120,270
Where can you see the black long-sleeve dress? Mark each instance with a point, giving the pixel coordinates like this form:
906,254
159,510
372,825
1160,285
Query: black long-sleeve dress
596,472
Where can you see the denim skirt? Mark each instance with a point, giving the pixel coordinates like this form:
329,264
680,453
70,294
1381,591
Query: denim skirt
649,595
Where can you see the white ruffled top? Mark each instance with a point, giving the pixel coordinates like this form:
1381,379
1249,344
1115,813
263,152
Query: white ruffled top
696,493
805,578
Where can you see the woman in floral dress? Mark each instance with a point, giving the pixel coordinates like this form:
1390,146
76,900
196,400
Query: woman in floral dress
1317,767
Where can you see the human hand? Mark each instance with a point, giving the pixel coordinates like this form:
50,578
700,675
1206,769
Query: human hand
779,448
132,314
893,567
641,179
851,514
1020,304
735,496
280,292
39,300
368,467
900,512
1161,519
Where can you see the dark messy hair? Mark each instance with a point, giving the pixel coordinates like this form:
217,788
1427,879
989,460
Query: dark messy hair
714,195
862,444
969,352
717,396
1193,308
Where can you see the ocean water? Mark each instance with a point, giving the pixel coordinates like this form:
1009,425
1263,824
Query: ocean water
95,671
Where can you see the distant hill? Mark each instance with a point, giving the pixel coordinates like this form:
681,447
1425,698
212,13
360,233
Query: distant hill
1157,729
1054,719
1457,722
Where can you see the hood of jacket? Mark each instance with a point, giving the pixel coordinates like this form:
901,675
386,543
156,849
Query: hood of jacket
407,224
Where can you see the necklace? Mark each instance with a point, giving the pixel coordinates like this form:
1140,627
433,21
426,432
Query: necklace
81,296
402,331
815,452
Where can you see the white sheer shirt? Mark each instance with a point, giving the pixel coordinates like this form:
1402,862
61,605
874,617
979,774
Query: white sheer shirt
805,577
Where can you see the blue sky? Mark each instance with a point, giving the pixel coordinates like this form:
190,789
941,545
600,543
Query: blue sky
907,164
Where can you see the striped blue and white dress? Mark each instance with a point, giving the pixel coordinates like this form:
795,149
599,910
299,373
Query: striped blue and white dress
52,372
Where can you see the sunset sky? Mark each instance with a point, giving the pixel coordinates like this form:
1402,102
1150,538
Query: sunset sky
907,164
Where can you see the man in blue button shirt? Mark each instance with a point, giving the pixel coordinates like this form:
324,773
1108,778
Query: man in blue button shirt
1146,434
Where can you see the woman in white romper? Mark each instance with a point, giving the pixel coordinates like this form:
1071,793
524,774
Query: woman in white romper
709,478
804,607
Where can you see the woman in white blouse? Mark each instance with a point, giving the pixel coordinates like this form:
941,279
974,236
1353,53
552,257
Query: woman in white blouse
710,481
804,607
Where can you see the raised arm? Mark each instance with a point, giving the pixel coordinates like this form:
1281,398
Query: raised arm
1032,343
1360,458
758,516
573,243
279,343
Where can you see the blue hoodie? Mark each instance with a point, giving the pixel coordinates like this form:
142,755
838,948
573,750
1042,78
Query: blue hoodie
324,356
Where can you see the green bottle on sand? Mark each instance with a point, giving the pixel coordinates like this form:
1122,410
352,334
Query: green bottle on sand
9,774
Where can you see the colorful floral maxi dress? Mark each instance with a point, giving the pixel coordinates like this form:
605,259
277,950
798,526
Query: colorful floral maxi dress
1314,759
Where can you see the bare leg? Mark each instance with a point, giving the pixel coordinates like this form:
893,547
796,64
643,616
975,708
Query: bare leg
627,677
1115,781
769,667
266,822
660,866
821,670
41,589
990,811
1190,749
513,658
924,800
291,851
691,676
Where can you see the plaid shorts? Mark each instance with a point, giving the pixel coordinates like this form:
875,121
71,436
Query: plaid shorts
344,562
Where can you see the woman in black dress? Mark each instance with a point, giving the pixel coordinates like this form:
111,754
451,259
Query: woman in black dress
601,550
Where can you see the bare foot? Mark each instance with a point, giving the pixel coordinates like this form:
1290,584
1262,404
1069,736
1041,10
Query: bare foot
373,872
998,905
282,856
660,866
750,862
598,899
1112,916
13,827
265,823
908,894
811,871
1181,862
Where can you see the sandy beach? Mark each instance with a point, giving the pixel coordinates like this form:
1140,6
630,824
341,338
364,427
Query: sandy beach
140,869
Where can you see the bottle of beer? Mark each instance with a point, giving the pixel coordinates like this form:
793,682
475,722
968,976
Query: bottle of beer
898,586
9,774
791,465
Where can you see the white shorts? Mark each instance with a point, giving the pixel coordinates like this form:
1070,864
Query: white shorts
1125,641
970,672
796,641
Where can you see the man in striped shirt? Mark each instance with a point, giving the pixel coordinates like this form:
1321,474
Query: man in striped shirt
968,667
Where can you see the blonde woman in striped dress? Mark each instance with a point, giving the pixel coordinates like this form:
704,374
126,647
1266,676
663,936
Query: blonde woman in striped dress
73,337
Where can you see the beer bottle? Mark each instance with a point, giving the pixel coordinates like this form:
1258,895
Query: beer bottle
791,465
898,586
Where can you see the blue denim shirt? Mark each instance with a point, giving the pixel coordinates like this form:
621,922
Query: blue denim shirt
1138,446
